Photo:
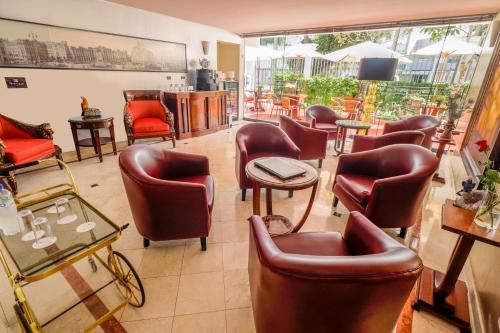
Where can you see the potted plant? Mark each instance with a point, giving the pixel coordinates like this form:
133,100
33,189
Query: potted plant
488,215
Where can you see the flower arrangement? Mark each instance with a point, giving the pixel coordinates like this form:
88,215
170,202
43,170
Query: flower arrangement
486,215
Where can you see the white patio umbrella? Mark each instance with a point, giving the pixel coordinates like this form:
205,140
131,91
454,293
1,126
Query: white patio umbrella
450,46
303,51
365,50
261,52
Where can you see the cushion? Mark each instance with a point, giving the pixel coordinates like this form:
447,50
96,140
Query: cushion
358,186
208,181
146,109
148,125
19,151
326,126
313,243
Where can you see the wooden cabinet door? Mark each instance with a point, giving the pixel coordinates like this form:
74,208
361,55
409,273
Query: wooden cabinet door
213,111
198,115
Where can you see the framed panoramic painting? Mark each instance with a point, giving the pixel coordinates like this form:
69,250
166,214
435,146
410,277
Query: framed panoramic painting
33,45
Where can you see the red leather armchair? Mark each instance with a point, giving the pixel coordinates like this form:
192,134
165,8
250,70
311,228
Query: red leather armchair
365,142
22,143
312,142
171,194
387,184
260,140
426,124
324,118
145,116
322,282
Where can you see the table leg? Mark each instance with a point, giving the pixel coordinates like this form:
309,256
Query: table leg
439,155
269,201
443,294
92,136
112,135
338,138
77,146
344,137
308,209
256,198
98,143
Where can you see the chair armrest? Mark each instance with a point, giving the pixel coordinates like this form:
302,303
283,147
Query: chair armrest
362,143
128,120
291,149
362,163
185,165
397,261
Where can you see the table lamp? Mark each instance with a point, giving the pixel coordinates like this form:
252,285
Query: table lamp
374,70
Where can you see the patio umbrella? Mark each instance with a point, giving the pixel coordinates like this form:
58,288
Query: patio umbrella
365,50
303,51
447,47
261,52
450,46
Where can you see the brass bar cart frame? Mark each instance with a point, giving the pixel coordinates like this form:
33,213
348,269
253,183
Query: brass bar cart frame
124,275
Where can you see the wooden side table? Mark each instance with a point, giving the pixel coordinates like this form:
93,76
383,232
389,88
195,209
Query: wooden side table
278,224
95,140
342,127
442,294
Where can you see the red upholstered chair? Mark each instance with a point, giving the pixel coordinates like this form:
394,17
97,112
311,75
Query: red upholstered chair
365,142
145,116
260,140
22,143
387,184
424,123
171,194
312,142
324,282
323,118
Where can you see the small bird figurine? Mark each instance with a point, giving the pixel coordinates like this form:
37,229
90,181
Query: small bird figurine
85,104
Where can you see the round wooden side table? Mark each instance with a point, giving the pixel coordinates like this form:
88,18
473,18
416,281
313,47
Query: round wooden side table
277,224
343,126
93,125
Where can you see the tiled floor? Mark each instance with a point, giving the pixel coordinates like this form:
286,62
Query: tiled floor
188,290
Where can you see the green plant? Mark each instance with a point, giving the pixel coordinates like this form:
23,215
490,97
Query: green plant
320,90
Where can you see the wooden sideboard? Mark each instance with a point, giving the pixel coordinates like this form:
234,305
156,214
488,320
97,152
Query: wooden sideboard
198,112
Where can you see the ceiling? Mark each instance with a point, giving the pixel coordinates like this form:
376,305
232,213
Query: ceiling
250,16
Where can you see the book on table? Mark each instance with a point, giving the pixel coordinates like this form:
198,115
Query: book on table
282,169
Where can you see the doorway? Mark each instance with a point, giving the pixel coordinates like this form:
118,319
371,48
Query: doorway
228,68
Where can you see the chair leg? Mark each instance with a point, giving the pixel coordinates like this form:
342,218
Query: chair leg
320,163
145,242
290,194
335,202
164,138
243,194
203,241
402,233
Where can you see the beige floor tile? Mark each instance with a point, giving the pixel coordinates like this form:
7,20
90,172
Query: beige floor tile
426,323
161,293
209,322
235,231
200,293
240,321
197,261
158,325
161,261
237,289
235,255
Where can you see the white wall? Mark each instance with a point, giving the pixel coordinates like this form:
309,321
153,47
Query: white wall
54,95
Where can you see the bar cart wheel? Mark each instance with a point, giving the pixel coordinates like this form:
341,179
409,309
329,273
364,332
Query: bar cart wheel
127,279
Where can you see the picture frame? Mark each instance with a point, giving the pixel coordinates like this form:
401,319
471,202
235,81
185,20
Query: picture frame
42,46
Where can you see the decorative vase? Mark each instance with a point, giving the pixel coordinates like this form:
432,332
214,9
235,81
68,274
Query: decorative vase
488,215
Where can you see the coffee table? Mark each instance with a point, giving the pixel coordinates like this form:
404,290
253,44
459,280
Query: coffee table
278,224
343,127
92,124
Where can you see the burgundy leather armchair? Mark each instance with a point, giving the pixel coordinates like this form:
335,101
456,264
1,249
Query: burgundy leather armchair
324,118
387,184
325,282
426,124
260,140
171,194
365,142
312,142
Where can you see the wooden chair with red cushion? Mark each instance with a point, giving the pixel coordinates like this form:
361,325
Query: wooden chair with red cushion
146,116
22,143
